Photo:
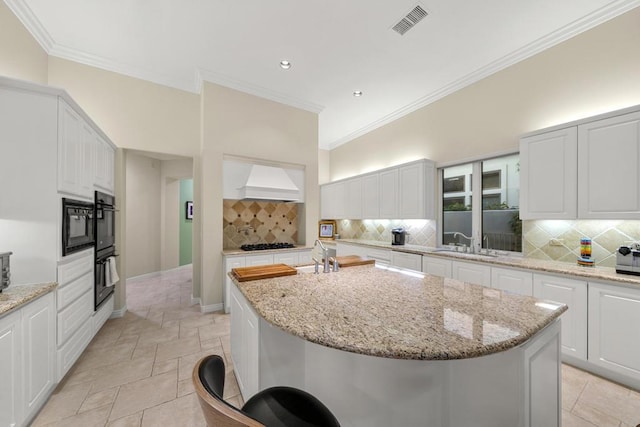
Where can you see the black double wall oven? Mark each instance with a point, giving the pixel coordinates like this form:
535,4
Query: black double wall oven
104,228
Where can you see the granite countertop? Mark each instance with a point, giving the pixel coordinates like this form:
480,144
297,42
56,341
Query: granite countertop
238,251
377,312
16,296
555,267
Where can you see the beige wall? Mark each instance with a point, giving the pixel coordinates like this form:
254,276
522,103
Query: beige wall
132,112
143,215
595,72
239,124
21,57
172,171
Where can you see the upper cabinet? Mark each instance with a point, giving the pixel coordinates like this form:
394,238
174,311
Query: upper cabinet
609,168
590,170
548,175
85,159
401,192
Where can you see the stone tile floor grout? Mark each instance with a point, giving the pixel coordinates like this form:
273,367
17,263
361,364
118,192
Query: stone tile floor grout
137,370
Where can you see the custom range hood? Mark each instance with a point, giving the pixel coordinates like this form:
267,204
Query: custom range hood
270,183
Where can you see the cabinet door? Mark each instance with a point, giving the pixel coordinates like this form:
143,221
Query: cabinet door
389,194
411,191
514,281
104,165
11,402
252,349
471,273
343,249
381,256
238,353
406,261
86,166
370,196
548,175
436,266
614,336
573,293
39,329
609,168
229,264
69,149
353,199
332,200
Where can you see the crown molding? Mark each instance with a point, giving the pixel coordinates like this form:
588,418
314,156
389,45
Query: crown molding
31,23
596,18
262,92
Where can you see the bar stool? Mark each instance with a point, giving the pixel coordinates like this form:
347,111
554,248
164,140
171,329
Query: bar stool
273,407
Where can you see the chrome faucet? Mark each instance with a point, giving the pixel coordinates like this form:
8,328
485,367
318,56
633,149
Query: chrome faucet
471,240
325,256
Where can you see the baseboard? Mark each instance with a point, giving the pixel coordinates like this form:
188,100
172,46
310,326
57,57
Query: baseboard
211,308
159,273
194,300
115,314
602,372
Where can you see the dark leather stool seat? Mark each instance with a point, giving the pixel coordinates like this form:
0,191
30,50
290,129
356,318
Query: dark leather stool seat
273,407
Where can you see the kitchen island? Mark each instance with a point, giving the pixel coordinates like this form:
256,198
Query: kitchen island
382,348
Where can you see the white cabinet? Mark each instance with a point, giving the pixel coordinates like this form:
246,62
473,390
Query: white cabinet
353,198
104,165
27,345
406,261
380,255
343,249
76,141
11,386
263,259
609,168
614,336
289,258
514,281
471,272
75,308
388,180
436,266
590,170
573,293
548,175
245,339
416,195
229,264
370,196
332,200
39,341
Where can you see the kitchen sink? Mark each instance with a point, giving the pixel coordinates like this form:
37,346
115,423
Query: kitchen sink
305,269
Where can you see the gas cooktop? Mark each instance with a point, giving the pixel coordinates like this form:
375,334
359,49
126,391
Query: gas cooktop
266,246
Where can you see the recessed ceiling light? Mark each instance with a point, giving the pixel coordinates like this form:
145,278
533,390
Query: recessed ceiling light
357,93
285,65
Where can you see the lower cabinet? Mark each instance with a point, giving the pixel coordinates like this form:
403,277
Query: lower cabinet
436,266
614,336
514,281
406,261
245,338
573,293
471,272
28,338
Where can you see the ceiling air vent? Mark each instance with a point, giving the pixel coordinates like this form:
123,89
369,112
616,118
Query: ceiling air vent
416,15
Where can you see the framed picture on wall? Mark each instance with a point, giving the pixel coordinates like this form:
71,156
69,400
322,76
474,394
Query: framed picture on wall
189,210
326,229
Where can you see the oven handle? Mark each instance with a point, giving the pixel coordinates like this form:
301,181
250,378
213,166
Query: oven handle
106,208
102,261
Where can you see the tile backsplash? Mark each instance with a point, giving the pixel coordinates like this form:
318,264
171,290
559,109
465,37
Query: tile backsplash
421,232
252,221
605,236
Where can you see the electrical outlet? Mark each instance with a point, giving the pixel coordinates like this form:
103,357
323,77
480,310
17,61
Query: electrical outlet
556,242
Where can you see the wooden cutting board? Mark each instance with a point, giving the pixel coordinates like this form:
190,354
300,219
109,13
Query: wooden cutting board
353,260
258,272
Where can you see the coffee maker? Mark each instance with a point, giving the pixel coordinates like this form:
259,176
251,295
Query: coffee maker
398,236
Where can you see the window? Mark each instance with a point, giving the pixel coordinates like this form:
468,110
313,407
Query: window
495,220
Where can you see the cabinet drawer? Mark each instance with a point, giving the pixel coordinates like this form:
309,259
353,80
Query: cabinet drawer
289,258
514,281
304,258
406,261
380,255
73,290
74,269
436,266
471,273
74,316
69,353
252,260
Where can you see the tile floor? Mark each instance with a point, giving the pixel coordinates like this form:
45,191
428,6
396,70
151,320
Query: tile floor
137,370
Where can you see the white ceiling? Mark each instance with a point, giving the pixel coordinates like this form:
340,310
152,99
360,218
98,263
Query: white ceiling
335,46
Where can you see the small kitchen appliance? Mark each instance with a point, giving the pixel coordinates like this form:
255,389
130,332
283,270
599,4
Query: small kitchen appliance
398,236
4,269
628,259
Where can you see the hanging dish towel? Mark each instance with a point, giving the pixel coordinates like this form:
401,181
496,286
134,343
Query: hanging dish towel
110,272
